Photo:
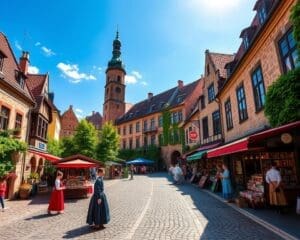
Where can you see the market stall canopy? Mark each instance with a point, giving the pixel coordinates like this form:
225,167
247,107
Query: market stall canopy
45,155
140,161
196,156
78,161
202,148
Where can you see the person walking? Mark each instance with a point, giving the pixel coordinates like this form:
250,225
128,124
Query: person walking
131,171
226,183
98,212
2,192
276,194
57,202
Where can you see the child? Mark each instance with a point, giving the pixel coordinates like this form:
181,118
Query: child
2,192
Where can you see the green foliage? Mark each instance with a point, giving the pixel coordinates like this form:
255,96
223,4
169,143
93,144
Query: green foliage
85,139
151,152
68,147
8,146
108,147
49,169
166,119
34,176
283,99
295,18
55,147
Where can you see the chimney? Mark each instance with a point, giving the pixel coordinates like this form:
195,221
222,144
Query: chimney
180,84
24,62
150,95
71,107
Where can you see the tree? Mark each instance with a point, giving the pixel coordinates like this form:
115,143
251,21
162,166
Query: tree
283,99
295,18
68,147
108,146
54,147
85,139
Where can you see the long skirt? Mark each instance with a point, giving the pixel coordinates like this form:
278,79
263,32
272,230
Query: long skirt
276,198
226,189
57,202
98,214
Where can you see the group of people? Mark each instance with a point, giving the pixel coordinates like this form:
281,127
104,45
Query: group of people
98,210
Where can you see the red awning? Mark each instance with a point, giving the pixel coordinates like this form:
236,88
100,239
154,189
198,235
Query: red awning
45,155
274,131
78,163
234,147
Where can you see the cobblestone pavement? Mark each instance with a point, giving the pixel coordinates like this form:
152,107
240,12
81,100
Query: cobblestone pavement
145,208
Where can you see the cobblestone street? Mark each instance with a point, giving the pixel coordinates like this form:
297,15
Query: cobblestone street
148,207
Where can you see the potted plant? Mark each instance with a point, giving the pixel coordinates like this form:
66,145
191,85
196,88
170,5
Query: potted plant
25,190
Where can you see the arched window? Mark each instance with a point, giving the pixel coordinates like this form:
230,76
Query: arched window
107,90
119,78
107,79
118,90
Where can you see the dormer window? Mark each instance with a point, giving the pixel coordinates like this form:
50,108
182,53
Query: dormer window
20,78
262,14
246,41
228,71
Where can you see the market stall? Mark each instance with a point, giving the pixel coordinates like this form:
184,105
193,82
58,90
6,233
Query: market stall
77,177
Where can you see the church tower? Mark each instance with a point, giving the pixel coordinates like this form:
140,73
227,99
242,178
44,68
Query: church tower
114,97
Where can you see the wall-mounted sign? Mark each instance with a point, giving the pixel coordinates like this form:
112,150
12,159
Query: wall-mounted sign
286,138
193,135
41,145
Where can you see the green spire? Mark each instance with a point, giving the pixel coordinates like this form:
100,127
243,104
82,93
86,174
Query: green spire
116,61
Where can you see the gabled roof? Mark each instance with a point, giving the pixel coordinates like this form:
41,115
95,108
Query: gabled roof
219,61
11,68
69,115
35,83
95,118
170,98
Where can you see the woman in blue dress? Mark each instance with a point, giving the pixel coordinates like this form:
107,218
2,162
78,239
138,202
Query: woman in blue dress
226,183
98,213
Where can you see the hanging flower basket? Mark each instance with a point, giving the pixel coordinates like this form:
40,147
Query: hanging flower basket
25,190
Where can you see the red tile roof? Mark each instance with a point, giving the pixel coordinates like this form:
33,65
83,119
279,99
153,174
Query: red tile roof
95,119
11,67
219,60
35,83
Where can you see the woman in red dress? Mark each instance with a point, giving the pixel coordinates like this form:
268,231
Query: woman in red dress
57,196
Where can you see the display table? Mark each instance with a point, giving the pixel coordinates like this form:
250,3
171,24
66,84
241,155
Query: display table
78,188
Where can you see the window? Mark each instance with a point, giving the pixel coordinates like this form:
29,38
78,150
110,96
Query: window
145,141
137,142
228,114
246,41
216,122
4,118
175,117
119,131
137,127
153,139
202,102
20,79
152,126
160,121
205,127
288,51
119,78
1,61
124,144
145,125
130,143
262,14
130,129
241,99
18,124
118,90
42,128
258,89
124,130
180,118
211,93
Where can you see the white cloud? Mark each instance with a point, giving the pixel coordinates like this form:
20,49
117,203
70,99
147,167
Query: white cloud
134,78
72,71
18,46
78,110
47,51
79,116
144,83
33,70
137,74
37,44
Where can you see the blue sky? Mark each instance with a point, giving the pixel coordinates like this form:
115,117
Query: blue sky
162,41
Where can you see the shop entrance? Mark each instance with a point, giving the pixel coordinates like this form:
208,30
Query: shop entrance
175,156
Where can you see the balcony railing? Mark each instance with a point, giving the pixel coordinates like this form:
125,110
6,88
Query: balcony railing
211,139
150,129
